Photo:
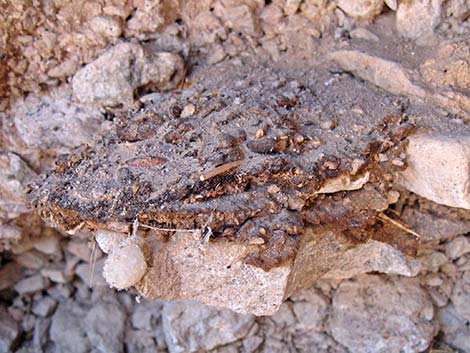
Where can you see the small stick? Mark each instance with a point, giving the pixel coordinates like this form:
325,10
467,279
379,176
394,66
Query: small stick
220,170
399,225
93,262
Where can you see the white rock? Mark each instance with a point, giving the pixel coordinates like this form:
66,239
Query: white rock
15,175
417,18
373,256
106,25
125,266
54,122
439,169
461,295
192,327
31,284
361,9
48,244
378,72
458,247
372,315
112,79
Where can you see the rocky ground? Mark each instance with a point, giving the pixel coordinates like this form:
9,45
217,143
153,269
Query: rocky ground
70,72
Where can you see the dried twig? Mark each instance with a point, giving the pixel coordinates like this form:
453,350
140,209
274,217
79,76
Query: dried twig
220,170
384,217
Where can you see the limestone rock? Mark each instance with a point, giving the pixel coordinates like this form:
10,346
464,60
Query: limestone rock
435,227
104,325
395,316
458,247
192,327
66,329
378,72
15,175
461,295
449,67
417,19
44,306
215,274
54,122
455,328
10,273
9,332
31,284
113,78
439,169
365,10
373,256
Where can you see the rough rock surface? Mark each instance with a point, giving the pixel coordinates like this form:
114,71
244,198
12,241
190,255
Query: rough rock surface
113,78
381,317
53,122
205,326
439,168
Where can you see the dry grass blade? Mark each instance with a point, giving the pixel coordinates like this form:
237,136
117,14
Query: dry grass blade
384,217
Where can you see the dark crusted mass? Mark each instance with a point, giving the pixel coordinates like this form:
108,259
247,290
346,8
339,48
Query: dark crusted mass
244,150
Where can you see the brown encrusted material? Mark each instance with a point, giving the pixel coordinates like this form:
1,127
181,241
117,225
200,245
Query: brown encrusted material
153,165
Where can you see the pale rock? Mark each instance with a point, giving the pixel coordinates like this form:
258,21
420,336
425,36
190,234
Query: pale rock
252,343
271,16
291,6
239,16
125,265
10,273
33,260
434,227
31,284
49,244
378,72
138,341
91,274
66,329
362,33
394,316
417,19
184,267
433,261
9,233
106,337
458,247
15,175
54,122
114,76
191,327
449,66
55,274
392,4
365,10
284,316
9,332
461,295
455,328
80,249
106,25
44,306
311,309
373,256
439,168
